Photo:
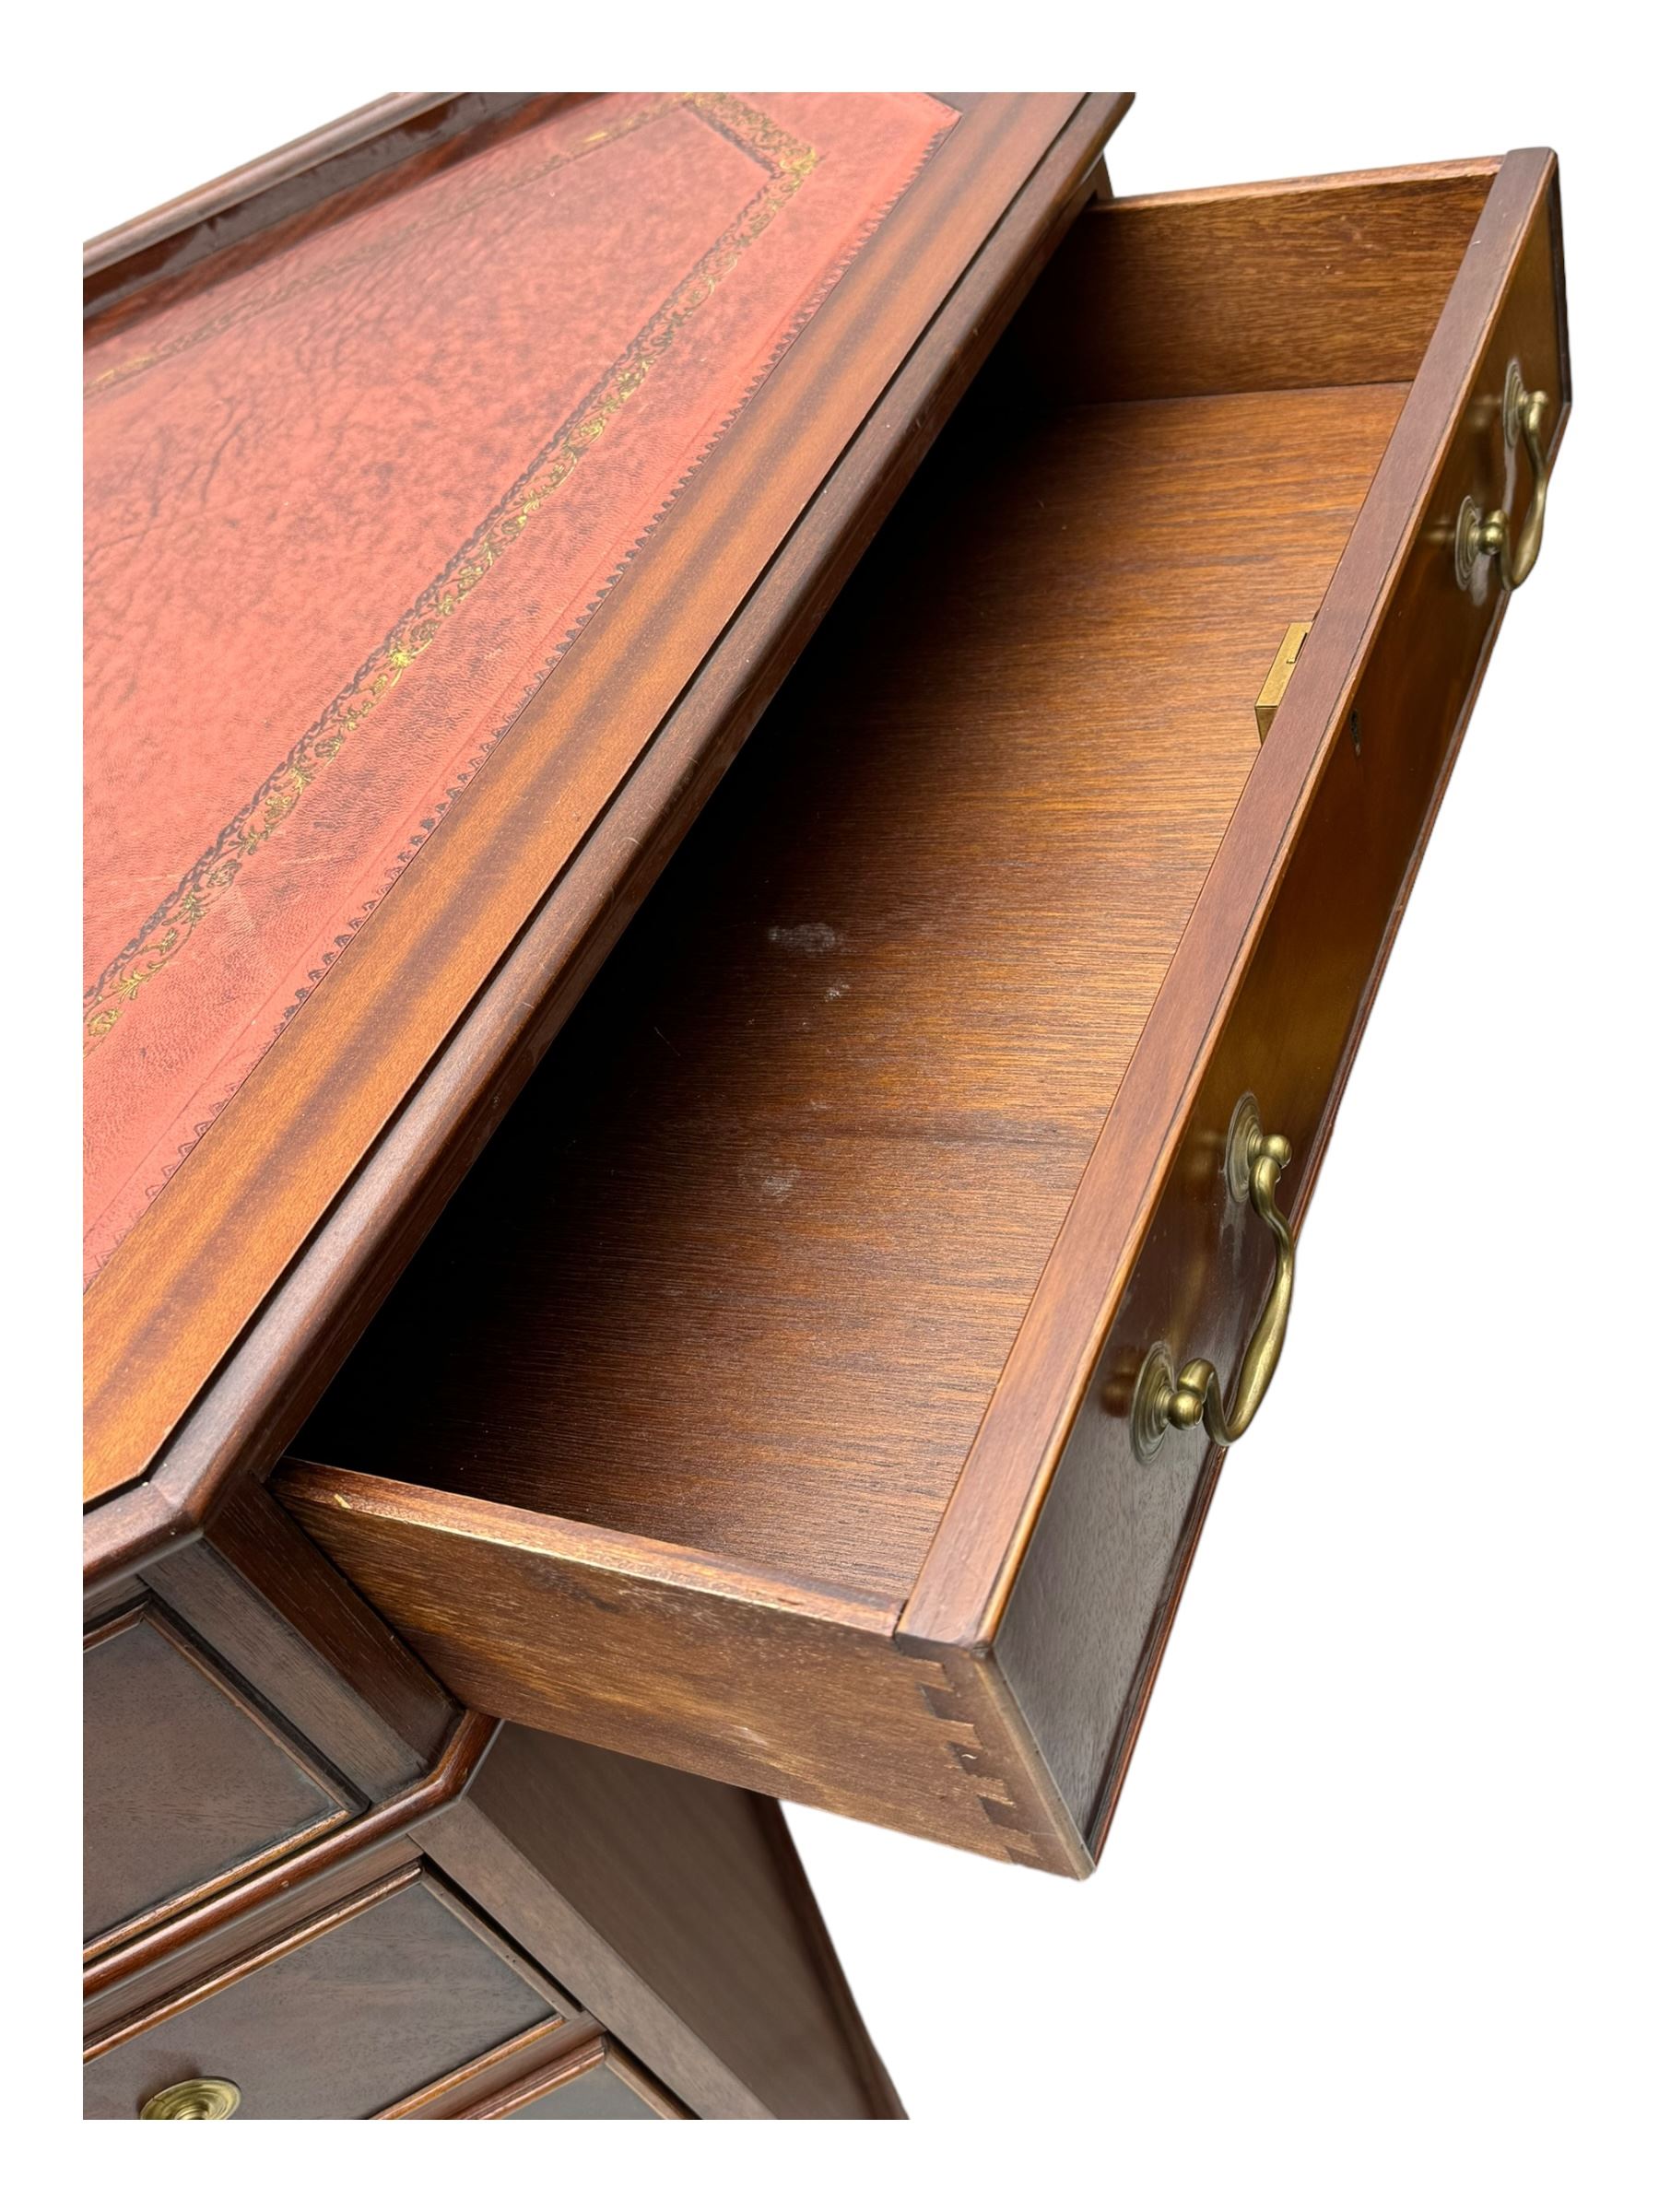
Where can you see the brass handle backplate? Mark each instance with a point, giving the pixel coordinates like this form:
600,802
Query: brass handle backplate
205,2097
1165,1400
1481,535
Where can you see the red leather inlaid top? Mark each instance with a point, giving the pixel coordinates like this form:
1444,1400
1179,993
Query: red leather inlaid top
346,510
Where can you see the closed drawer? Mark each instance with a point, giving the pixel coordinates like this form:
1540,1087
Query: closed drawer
187,1784
767,1402
353,2011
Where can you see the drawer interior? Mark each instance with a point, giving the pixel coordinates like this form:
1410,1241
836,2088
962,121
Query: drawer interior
742,1267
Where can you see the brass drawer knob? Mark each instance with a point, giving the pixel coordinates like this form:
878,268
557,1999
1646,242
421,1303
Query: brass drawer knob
1481,535
1164,1400
203,2099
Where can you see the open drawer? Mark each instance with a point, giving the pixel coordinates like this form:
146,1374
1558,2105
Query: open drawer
798,1390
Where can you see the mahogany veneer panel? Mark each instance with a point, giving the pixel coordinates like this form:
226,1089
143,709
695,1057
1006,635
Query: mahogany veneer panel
742,1268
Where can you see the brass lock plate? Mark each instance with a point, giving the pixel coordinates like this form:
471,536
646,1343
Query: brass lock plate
1278,676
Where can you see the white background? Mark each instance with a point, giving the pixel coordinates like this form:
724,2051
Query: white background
1374,1924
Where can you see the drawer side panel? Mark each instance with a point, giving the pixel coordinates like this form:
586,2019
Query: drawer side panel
1086,1622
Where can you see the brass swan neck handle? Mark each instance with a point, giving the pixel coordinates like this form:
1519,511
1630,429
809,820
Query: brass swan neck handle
1488,534
1164,1400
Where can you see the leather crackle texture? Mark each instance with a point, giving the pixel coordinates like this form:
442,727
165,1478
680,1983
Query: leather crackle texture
346,510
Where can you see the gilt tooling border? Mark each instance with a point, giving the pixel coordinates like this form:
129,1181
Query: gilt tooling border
789,162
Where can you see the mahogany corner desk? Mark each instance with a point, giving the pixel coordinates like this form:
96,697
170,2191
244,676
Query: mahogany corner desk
751,759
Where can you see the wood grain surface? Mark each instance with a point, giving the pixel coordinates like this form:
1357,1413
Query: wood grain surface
763,1681
1316,280
742,1269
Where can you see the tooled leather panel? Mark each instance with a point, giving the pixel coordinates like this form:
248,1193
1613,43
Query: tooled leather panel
346,510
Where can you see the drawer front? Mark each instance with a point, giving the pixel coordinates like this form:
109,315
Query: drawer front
353,2011
1085,1626
187,1784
